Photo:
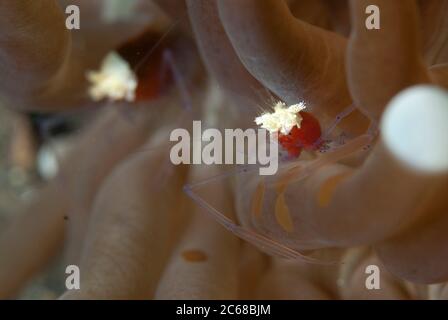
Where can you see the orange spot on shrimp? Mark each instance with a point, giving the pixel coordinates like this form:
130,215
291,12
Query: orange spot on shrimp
281,185
282,214
194,255
328,188
257,201
286,177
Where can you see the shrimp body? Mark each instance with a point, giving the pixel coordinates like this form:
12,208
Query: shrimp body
295,129
306,137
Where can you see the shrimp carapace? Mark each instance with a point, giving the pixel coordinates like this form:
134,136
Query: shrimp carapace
145,55
306,137
296,129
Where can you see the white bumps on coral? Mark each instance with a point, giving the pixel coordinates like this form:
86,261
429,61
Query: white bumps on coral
114,81
283,119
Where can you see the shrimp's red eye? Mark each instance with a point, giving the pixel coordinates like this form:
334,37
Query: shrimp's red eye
304,137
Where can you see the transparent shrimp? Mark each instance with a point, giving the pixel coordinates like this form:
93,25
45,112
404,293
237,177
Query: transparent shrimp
152,60
333,146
